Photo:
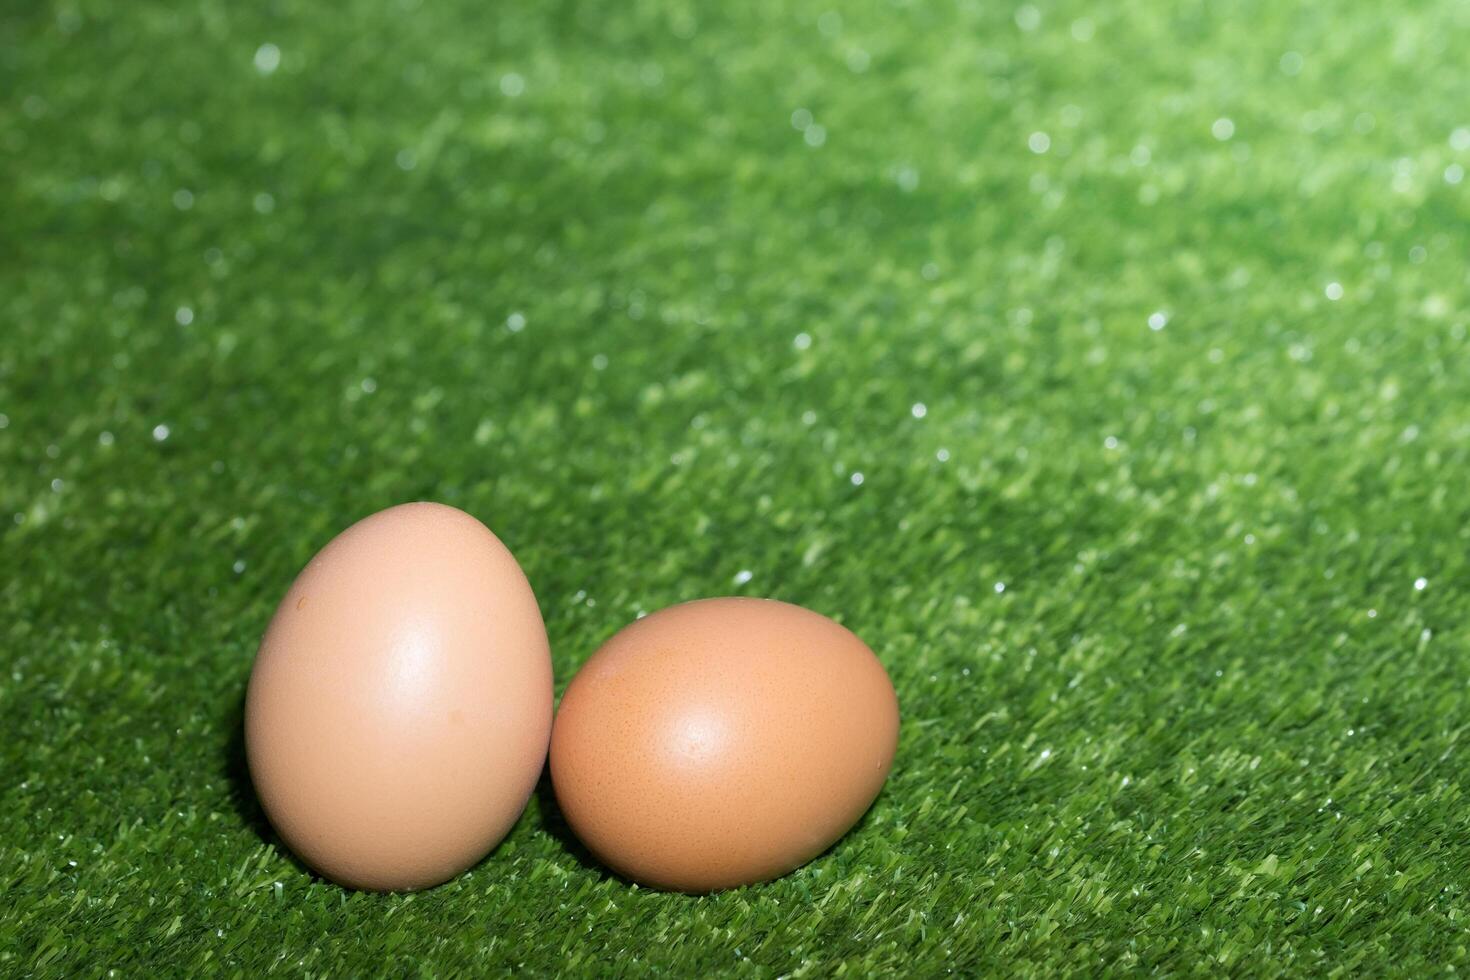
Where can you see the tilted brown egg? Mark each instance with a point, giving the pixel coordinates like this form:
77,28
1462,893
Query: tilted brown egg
400,705
722,742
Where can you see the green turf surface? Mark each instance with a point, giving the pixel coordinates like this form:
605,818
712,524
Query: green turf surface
1104,366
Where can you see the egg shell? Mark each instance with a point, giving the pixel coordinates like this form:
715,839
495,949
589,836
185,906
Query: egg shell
722,742
400,705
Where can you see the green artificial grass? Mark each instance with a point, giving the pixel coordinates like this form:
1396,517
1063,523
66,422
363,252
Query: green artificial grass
1105,367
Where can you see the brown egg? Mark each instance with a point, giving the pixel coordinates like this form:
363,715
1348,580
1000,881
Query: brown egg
722,742
400,705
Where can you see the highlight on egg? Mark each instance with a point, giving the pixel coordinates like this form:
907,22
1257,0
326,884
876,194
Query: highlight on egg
400,705
722,742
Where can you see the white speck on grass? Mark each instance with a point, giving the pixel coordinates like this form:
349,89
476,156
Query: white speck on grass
1111,442
512,85
1291,63
599,362
743,576
57,485
368,385
516,322
267,58
1140,155
942,455
1420,584
183,199
918,410
406,159
1222,129
183,316
239,566
857,479
1372,613
1460,138
104,438
999,587
1454,173
815,135
160,432
263,203
1333,291
802,341
1082,30
1038,142
1028,18
908,179
809,417
801,119
1158,320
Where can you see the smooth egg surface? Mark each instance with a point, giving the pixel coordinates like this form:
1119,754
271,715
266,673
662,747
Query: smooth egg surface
400,706
722,742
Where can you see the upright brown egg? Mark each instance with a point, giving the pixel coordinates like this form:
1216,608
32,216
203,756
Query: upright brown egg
722,742
400,706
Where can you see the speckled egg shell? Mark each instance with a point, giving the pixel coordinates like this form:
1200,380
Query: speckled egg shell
722,742
400,706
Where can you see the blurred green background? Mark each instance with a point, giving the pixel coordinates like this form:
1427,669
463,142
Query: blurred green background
1103,366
